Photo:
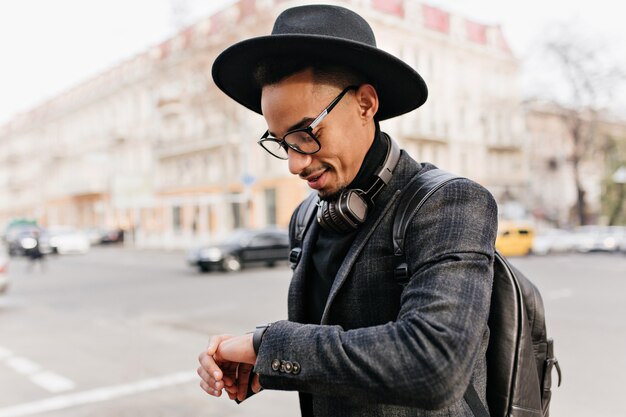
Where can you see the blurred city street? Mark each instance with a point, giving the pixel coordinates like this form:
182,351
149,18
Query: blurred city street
117,332
121,147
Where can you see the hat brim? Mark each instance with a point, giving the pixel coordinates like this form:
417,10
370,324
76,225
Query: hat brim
400,88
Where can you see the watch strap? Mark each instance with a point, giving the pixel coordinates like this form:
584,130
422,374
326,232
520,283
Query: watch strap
257,337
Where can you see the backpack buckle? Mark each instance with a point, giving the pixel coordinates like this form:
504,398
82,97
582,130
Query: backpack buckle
294,257
401,274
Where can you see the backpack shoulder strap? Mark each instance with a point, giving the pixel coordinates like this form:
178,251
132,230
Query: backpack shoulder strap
413,198
303,220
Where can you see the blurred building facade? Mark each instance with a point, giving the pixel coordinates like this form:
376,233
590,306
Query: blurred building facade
550,149
153,147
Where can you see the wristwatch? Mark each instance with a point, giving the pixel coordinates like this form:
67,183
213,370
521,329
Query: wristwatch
258,336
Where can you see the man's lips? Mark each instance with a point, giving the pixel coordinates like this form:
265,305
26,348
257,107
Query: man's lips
316,181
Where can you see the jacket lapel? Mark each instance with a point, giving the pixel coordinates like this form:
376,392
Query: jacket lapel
405,170
359,243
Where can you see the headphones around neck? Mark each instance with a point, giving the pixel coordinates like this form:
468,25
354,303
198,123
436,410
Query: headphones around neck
349,210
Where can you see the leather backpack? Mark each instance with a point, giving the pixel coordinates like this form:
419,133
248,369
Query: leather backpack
520,356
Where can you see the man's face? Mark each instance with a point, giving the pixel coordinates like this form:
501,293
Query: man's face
293,103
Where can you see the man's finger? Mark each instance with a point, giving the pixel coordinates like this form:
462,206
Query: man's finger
256,383
204,375
243,381
209,390
229,371
210,366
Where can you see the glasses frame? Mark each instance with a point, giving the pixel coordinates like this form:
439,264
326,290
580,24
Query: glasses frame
308,130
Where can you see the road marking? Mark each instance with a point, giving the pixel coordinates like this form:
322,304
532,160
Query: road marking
22,365
52,382
47,380
97,395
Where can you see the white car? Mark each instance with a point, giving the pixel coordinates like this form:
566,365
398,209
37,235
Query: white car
67,239
600,238
4,264
553,240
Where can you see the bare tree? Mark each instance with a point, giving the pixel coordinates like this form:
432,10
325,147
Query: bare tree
614,183
584,74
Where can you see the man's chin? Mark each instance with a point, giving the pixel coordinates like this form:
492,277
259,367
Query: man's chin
330,195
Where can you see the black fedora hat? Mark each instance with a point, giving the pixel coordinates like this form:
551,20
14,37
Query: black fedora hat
329,34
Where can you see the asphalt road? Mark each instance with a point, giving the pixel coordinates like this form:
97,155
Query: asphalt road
117,332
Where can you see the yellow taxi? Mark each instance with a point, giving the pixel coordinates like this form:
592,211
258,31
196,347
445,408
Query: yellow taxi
514,239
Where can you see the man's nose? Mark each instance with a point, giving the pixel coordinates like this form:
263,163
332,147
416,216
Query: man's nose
297,161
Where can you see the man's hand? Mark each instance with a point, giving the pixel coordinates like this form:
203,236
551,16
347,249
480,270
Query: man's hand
236,349
215,375
227,364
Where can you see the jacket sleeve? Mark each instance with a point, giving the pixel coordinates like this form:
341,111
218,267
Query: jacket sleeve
426,357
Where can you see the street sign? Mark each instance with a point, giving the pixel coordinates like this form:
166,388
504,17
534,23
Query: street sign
248,179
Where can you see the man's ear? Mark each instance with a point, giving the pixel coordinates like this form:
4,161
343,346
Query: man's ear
367,97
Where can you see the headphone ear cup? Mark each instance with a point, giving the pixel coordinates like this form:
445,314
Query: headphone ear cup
330,216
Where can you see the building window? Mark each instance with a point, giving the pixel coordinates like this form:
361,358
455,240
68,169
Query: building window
236,210
270,206
176,218
209,219
195,220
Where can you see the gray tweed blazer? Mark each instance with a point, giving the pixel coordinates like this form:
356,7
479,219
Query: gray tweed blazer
384,350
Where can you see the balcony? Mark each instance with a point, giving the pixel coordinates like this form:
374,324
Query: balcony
174,148
504,144
170,107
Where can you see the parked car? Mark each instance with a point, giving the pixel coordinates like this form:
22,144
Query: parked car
600,238
4,264
22,238
101,235
111,236
514,239
243,247
554,240
67,239
94,234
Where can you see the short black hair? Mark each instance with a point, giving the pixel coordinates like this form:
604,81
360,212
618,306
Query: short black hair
273,70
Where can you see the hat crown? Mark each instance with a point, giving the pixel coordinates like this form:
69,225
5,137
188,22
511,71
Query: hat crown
327,21
321,33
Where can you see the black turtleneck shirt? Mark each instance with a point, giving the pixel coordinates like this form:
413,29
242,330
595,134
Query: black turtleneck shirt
331,248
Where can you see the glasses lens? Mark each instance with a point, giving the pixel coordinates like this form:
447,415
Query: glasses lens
302,141
276,148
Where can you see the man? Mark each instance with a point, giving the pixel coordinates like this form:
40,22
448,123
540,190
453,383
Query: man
356,343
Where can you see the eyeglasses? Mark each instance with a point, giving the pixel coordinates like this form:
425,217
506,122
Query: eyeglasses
301,140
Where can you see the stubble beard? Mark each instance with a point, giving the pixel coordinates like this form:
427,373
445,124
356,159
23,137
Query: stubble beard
331,196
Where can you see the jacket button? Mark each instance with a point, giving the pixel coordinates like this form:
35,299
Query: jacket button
296,368
288,367
275,365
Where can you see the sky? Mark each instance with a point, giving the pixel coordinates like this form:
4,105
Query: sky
49,46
